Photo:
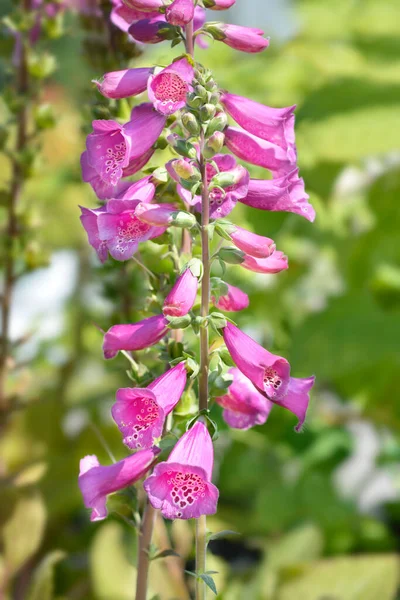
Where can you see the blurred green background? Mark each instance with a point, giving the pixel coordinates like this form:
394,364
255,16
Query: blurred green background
318,513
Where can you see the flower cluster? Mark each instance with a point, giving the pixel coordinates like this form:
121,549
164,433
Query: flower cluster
189,117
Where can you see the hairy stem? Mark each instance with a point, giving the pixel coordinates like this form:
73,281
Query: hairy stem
17,181
201,548
146,532
189,41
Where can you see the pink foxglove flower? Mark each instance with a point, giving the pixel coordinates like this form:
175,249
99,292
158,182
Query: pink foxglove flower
251,243
135,336
111,146
168,88
180,12
181,487
89,217
275,125
182,296
244,406
259,152
275,263
246,39
96,482
122,16
160,215
144,5
283,194
140,413
147,30
221,202
218,4
269,373
122,84
233,301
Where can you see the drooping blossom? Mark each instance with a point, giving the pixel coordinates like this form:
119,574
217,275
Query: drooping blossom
181,487
122,16
135,336
218,4
147,30
112,147
180,12
168,89
182,296
252,243
234,300
145,5
285,194
246,39
96,482
269,373
275,125
221,202
257,151
244,406
160,215
126,83
140,413
275,263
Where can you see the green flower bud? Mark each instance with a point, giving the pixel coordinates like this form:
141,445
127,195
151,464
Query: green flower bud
183,168
214,98
183,219
224,179
207,112
214,144
191,124
232,256
194,101
179,322
182,147
201,91
218,123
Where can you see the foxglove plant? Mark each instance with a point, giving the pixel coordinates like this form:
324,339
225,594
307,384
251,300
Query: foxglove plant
186,202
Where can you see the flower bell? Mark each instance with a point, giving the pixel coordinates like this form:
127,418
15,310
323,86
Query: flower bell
135,336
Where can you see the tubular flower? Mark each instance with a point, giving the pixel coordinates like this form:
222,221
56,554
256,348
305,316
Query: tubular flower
182,296
222,201
96,482
168,88
269,373
144,5
180,12
181,487
155,214
111,147
140,413
259,152
251,243
275,125
246,39
233,301
244,406
147,30
283,194
122,84
275,263
218,4
122,16
135,336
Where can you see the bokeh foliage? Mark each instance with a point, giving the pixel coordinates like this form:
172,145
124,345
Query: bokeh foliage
335,313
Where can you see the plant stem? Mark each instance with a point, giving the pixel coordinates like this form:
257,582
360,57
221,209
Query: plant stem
201,549
17,180
189,42
146,532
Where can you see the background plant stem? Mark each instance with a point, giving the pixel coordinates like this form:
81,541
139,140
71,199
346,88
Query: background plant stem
146,532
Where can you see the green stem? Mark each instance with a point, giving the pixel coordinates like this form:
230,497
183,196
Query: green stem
146,532
201,549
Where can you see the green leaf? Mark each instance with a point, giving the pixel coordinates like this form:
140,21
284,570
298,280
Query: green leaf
42,587
209,581
165,554
221,534
23,533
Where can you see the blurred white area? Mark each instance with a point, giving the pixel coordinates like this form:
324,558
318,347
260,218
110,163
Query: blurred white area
276,17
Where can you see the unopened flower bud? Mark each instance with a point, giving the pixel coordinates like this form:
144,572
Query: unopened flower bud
182,147
201,91
179,322
214,144
207,112
183,168
194,101
232,256
218,123
183,219
190,123
214,98
224,179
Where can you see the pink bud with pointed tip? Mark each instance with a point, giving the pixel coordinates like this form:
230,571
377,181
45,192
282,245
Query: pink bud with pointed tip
269,373
219,4
140,413
123,84
275,263
182,296
180,12
96,482
181,487
251,243
135,336
233,301
246,39
147,30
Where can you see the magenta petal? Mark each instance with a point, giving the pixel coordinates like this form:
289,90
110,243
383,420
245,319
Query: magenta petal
246,39
275,263
259,152
195,449
180,12
219,4
181,491
251,243
255,362
146,30
297,398
97,482
144,129
169,387
145,5
138,416
89,221
159,215
136,336
233,301
142,190
182,296
123,84
168,89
